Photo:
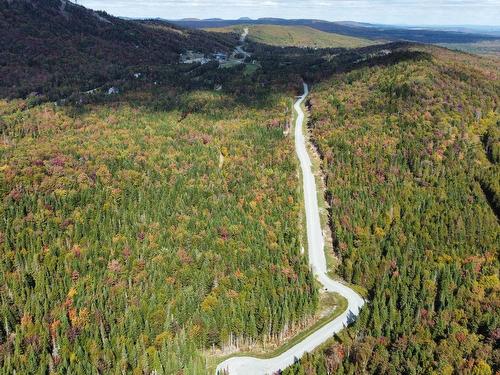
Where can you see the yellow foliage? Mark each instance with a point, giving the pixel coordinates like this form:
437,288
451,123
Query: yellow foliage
26,320
481,368
104,174
72,292
151,351
195,330
209,303
490,282
379,232
162,337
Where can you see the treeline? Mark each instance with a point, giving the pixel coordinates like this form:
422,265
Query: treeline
405,170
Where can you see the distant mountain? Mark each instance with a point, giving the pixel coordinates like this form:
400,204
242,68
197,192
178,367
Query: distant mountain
265,19
244,19
354,24
471,29
47,42
356,29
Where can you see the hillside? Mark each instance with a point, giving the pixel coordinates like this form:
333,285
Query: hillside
137,238
410,156
486,48
298,36
145,229
353,29
55,47
161,229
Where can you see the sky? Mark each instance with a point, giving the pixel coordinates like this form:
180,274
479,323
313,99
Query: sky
398,12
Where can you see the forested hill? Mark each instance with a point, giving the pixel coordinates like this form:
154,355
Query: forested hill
411,156
47,42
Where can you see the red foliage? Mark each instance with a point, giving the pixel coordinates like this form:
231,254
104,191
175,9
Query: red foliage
77,251
495,334
58,161
114,266
126,252
223,233
16,194
184,256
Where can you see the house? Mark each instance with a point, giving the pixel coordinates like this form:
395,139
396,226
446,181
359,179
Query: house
191,57
220,56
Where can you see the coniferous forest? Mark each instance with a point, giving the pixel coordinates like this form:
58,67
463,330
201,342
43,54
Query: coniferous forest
158,228
131,238
410,157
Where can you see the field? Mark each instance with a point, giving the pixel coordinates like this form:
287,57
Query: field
298,36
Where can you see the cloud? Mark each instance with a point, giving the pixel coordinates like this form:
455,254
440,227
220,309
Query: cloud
486,12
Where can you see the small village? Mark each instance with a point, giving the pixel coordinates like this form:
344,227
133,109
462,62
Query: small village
238,56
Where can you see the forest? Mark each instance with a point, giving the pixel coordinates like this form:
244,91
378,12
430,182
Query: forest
134,238
146,230
52,48
410,156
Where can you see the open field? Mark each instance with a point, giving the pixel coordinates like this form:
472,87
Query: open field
298,36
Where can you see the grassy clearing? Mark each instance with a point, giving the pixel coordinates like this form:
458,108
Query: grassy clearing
250,69
298,36
230,64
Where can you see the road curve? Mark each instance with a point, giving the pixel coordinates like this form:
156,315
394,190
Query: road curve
239,49
317,261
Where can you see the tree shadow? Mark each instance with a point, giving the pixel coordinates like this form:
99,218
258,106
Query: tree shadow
281,70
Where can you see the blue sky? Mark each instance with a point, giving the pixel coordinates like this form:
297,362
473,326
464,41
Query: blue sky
408,12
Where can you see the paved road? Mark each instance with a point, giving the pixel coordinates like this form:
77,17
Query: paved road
317,260
239,49
244,35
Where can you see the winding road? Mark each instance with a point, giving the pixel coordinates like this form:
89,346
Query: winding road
317,261
239,49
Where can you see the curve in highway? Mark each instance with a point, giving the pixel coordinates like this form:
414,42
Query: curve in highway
317,261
